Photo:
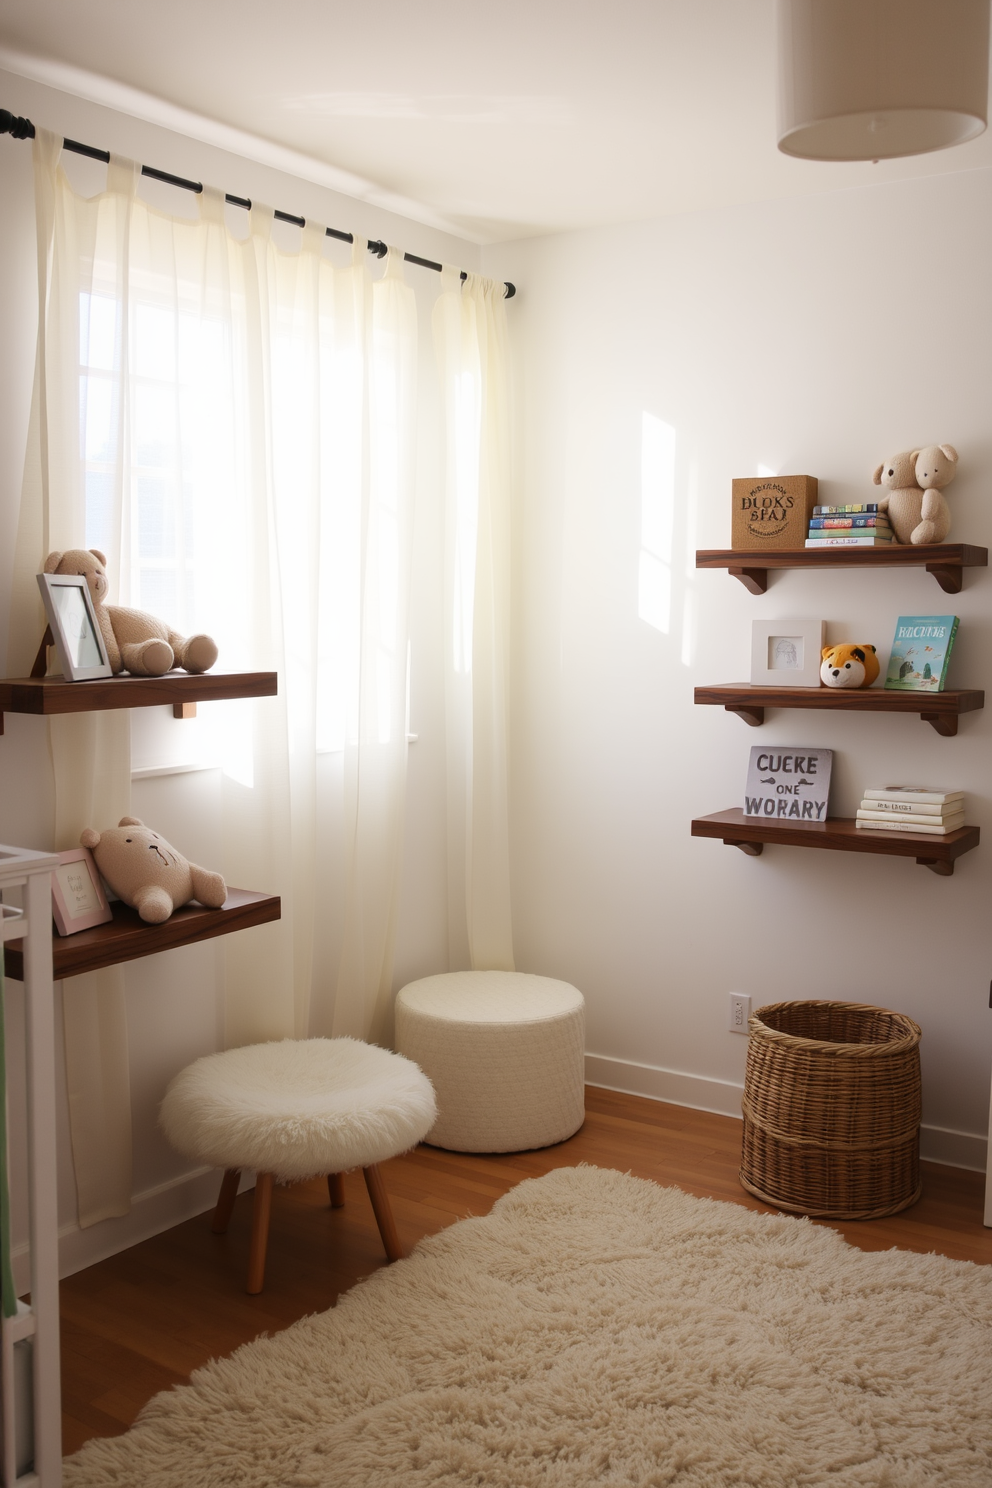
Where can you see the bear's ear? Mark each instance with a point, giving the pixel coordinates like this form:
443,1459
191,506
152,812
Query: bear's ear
100,557
52,563
949,452
857,652
827,651
89,838
876,479
871,648
914,455
130,821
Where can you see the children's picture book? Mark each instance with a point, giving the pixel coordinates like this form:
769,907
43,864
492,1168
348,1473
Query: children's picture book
921,651
791,784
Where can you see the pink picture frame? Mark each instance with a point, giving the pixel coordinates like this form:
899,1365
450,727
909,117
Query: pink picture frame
78,900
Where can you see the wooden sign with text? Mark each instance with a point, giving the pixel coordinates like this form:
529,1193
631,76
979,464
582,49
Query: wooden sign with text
772,511
791,784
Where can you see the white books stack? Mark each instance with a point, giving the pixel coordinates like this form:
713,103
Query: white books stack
911,808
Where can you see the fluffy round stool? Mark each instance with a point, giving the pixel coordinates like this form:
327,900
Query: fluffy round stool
504,1052
295,1110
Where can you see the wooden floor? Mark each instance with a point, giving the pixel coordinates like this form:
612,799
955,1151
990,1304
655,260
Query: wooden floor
143,1320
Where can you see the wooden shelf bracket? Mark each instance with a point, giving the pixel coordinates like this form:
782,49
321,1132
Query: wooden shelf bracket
755,580
751,713
749,849
950,576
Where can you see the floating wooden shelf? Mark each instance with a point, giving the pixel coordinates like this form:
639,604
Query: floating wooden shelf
940,709
47,695
836,834
126,937
946,561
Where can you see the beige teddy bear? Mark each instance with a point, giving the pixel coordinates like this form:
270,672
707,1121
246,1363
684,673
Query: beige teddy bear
136,642
917,511
936,467
904,501
148,873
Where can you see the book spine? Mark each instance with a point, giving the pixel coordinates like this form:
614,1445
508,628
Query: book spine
829,540
934,797
855,523
947,655
957,817
904,826
858,506
902,808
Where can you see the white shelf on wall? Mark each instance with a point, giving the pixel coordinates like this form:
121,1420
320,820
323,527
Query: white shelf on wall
30,1392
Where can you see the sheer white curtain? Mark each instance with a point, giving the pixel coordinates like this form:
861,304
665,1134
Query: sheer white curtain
234,426
471,339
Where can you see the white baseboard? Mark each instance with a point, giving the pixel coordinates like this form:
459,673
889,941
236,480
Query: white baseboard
937,1143
955,1149
152,1211
694,1091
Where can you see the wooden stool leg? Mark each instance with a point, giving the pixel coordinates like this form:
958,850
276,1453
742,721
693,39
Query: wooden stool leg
225,1203
335,1187
383,1213
259,1232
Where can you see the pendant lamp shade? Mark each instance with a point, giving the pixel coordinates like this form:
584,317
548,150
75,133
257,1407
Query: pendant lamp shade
875,79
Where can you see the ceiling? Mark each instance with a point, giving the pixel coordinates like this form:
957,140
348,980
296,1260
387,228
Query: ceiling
532,116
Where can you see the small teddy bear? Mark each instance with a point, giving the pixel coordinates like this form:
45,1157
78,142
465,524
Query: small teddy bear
904,501
917,511
848,666
147,873
936,467
136,641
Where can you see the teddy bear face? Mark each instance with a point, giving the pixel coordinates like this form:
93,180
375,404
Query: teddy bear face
849,666
134,859
89,562
936,466
897,472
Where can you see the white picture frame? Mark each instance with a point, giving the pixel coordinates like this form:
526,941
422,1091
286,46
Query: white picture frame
79,642
78,900
786,652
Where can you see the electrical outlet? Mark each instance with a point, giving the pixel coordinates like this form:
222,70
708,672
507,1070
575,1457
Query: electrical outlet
740,1011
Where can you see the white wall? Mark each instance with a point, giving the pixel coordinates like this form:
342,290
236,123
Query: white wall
174,1000
807,337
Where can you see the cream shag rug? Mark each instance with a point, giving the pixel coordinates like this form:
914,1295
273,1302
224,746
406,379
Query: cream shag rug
598,1329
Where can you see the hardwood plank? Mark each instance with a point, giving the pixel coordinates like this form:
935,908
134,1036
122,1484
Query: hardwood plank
945,707
946,561
48,695
127,937
141,1321
837,834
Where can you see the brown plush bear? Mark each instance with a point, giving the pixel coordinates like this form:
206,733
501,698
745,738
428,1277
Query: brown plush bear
148,873
136,642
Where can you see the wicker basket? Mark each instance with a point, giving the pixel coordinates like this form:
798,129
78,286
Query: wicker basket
832,1109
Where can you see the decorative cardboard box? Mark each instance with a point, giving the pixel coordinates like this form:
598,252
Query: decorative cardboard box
772,511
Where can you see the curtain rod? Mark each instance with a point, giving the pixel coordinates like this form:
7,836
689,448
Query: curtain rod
23,129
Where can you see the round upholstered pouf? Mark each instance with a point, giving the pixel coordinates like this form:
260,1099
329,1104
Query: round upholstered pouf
505,1054
299,1108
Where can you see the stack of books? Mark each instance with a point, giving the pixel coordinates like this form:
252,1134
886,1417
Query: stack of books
911,808
858,526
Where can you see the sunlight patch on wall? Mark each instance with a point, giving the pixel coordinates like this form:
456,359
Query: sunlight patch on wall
689,605
654,590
